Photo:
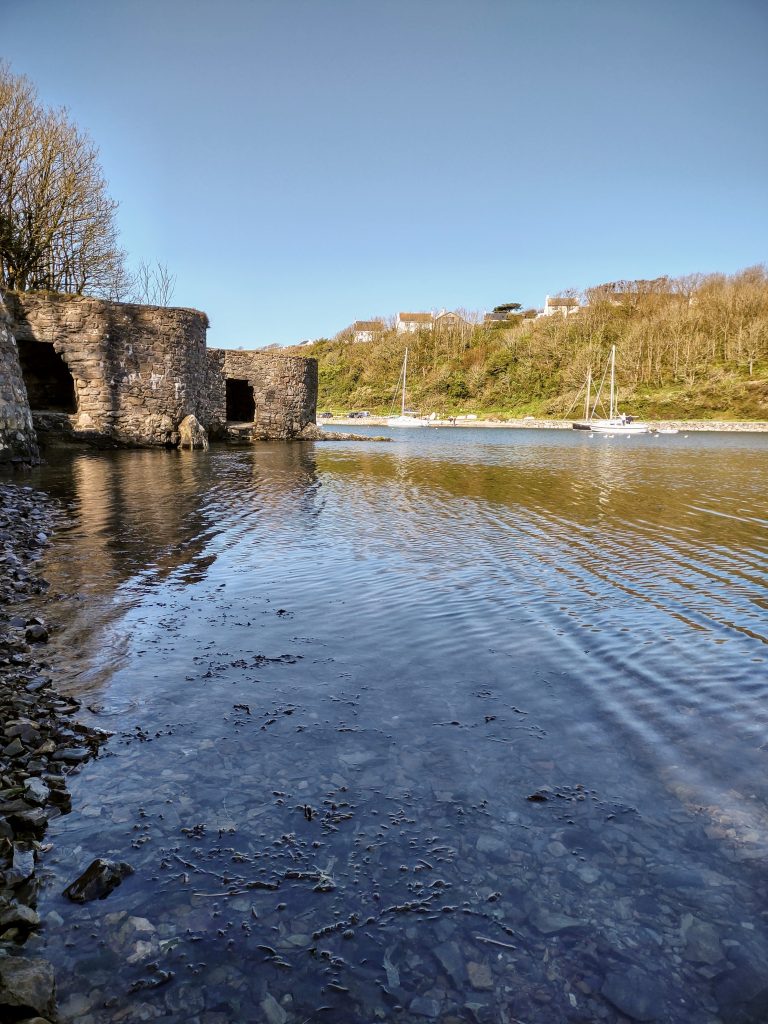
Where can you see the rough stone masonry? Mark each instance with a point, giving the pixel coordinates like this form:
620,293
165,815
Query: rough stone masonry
131,375
18,442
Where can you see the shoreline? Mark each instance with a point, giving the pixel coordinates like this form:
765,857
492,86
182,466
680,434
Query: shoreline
712,426
40,745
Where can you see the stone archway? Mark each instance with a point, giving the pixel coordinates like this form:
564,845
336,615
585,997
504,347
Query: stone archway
241,405
50,385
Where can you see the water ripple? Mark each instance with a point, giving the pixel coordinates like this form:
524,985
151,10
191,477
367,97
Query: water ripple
447,624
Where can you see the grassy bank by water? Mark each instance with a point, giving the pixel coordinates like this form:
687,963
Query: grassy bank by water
689,348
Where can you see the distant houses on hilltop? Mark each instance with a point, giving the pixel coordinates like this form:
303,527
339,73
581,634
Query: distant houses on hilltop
409,323
558,305
616,293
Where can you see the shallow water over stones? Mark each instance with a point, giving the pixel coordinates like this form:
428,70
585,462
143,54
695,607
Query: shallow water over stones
462,728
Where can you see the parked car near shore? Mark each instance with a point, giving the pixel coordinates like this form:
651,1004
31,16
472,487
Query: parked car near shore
326,415
359,415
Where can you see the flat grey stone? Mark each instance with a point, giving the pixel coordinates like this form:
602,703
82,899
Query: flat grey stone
702,943
549,922
480,976
635,994
452,962
23,865
490,844
71,755
357,758
36,791
273,1011
425,1007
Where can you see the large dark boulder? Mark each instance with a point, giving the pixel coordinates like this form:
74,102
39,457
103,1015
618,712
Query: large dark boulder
98,880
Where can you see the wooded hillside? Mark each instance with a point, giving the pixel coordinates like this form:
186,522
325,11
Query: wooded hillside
693,347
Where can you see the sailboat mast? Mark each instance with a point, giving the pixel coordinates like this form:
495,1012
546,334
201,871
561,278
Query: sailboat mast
612,413
589,394
405,371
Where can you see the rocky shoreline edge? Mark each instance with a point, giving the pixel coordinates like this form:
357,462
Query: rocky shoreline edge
531,423
40,745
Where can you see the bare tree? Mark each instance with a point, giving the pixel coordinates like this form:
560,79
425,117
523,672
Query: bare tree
152,284
57,223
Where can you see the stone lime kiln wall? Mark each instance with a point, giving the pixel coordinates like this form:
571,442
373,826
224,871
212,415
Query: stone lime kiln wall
277,393
117,373
110,371
18,442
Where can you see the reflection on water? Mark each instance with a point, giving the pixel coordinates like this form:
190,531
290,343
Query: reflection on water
337,674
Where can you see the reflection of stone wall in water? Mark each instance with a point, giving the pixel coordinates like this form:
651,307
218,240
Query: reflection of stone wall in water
277,393
150,500
17,436
114,371
168,509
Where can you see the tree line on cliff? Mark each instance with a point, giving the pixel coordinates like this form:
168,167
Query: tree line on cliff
688,347
58,229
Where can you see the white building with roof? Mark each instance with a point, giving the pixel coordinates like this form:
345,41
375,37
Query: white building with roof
562,305
409,323
366,330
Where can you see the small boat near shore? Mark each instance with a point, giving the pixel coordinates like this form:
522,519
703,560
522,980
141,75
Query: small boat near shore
616,422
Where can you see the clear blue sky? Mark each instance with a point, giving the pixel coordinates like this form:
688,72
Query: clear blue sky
300,164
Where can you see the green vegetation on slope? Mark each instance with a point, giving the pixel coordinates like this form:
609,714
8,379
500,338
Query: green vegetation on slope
689,348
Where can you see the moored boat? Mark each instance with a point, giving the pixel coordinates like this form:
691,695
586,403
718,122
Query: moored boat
615,422
405,419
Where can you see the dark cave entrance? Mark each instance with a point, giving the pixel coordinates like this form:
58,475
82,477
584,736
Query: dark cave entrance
241,405
50,386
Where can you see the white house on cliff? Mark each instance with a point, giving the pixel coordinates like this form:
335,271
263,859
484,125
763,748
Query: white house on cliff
562,305
366,330
409,323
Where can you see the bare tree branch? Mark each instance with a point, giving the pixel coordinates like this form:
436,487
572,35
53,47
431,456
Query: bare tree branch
152,284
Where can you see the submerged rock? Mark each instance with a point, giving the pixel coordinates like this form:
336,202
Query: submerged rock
480,976
311,432
273,1011
98,880
635,994
425,1007
550,922
702,943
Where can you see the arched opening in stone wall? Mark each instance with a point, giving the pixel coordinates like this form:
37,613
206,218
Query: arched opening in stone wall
241,405
50,385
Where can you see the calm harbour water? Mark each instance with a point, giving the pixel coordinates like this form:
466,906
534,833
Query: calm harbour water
337,673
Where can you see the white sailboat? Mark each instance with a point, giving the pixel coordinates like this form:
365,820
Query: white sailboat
404,420
616,423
